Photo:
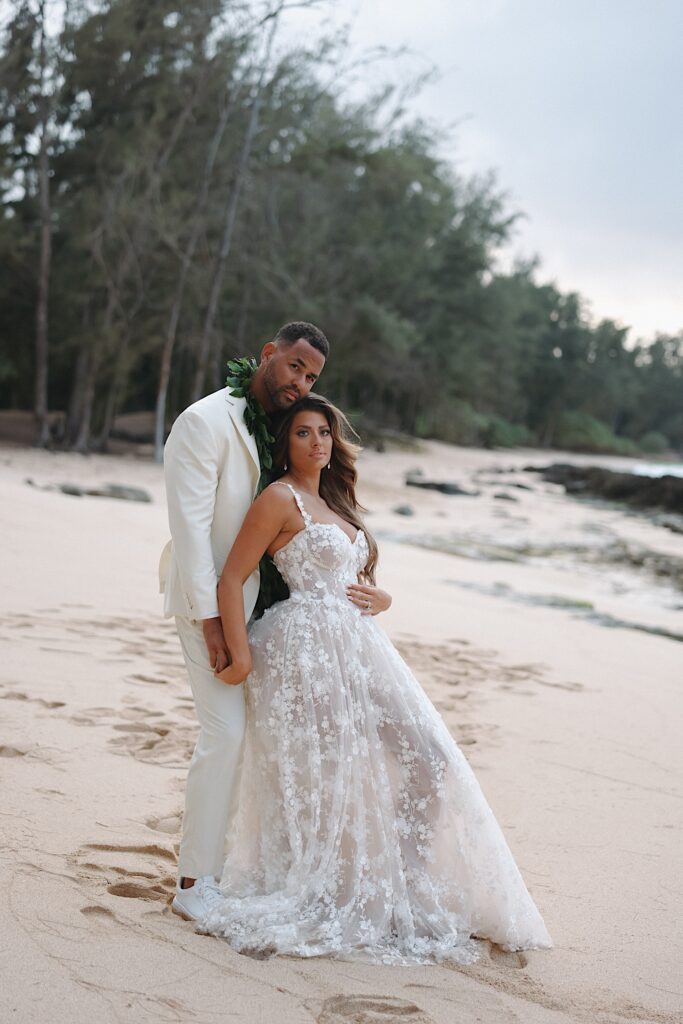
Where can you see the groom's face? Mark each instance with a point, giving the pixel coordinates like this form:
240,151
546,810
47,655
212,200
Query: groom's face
290,371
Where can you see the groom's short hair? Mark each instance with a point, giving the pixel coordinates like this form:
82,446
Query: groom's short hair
309,332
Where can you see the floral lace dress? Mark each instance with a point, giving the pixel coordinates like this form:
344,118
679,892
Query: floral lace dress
360,830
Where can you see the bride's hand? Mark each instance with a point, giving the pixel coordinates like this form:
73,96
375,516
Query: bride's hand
371,600
234,674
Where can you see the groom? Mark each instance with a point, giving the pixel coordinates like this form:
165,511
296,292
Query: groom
212,469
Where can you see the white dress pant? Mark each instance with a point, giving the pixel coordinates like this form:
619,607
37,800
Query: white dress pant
214,770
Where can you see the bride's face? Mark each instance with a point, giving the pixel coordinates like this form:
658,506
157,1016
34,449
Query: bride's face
310,441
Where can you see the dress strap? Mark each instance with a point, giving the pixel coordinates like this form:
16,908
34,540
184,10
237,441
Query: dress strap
300,505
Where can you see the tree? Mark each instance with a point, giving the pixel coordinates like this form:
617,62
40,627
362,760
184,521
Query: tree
29,87
170,192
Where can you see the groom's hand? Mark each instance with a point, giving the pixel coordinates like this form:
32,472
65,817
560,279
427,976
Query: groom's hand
235,674
219,656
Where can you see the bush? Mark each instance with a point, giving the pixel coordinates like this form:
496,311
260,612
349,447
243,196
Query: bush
500,433
456,422
452,421
465,425
579,432
654,443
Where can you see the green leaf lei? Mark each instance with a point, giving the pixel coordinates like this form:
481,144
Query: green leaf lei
255,416
272,587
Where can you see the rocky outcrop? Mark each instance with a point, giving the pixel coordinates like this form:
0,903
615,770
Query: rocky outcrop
415,479
645,492
123,492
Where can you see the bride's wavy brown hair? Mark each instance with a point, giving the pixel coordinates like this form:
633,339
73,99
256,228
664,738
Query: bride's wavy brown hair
338,483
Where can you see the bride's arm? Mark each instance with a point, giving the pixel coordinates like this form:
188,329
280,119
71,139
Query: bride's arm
262,524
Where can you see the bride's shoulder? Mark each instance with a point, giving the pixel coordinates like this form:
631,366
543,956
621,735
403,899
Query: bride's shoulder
272,508
275,495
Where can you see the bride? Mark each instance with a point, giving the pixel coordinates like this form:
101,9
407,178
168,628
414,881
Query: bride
360,830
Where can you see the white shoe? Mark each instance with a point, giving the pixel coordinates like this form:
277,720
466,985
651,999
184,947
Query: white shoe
195,903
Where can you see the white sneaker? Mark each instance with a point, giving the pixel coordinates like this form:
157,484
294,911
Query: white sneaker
195,903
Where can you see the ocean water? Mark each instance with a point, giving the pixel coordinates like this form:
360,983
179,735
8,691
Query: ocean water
657,468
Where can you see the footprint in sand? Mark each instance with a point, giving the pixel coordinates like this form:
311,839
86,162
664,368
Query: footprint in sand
371,1010
138,635
139,727
148,735
151,849
7,751
158,742
170,826
573,687
186,710
97,911
16,695
89,865
503,971
136,711
470,674
131,871
506,958
156,737
135,891
140,678
88,715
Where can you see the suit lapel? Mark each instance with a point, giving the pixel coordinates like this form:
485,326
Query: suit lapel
236,408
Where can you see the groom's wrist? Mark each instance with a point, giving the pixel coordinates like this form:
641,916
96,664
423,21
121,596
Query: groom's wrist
212,627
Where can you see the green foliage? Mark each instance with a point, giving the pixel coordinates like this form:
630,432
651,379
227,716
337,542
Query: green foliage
458,423
499,433
454,421
239,384
654,443
580,432
347,217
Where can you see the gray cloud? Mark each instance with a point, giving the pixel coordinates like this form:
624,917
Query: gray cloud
577,105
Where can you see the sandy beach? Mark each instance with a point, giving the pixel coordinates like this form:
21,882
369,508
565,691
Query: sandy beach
533,622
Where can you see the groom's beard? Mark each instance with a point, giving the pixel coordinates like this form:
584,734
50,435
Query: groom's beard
283,399
276,392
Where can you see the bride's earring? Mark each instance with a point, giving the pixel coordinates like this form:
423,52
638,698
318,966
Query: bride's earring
284,468
328,464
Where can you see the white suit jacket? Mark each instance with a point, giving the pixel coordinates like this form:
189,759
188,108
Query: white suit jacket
212,470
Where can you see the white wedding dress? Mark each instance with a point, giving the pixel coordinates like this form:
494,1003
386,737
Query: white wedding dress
360,829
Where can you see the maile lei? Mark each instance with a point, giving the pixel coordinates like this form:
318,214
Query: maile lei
255,416
272,587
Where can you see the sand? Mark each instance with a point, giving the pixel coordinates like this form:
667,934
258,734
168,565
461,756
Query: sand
572,727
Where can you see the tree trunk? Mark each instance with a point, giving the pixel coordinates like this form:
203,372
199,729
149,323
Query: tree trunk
73,415
82,441
116,283
41,340
242,317
188,255
229,222
116,391
96,352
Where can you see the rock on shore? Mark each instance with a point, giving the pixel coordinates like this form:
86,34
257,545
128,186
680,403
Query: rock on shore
663,492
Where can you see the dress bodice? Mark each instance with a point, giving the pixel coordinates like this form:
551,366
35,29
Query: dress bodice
320,560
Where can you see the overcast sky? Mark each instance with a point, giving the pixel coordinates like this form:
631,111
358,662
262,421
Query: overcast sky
578,107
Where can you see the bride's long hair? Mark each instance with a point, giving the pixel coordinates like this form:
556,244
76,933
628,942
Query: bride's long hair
338,483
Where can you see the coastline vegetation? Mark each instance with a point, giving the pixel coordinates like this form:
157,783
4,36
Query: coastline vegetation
174,184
